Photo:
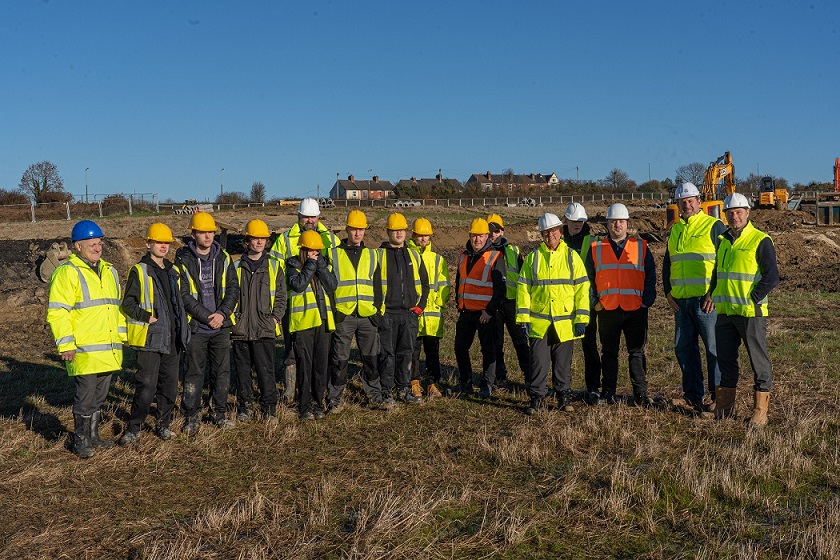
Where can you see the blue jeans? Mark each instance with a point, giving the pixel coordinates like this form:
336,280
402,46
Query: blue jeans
690,323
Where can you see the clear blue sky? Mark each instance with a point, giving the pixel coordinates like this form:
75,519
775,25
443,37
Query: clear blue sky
158,97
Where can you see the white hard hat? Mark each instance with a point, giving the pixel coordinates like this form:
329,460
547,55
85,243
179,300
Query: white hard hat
548,221
735,200
686,190
576,212
618,211
309,207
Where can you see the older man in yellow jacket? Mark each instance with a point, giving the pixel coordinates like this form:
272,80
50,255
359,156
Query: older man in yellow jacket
552,303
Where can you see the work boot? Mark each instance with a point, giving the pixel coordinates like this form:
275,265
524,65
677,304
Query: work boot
291,379
642,399
688,407
82,446
388,401
408,397
724,402
465,389
433,391
762,403
608,397
534,406
128,438
94,433
485,391
416,388
333,407
164,433
190,426
563,402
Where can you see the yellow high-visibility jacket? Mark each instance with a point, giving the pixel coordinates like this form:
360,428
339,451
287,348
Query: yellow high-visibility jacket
431,321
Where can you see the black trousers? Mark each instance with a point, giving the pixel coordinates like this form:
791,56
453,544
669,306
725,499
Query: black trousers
312,351
397,336
156,380
431,346
367,340
257,356
506,319
591,356
548,353
203,348
634,326
91,392
465,330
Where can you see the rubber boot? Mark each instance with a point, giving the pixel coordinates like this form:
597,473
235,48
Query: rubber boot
291,378
762,403
724,402
95,439
82,446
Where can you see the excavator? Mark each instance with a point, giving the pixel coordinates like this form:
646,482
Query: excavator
718,183
769,196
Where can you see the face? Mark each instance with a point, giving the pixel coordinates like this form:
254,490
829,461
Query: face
90,249
478,240
203,239
617,229
689,206
551,237
308,223
574,227
737,218
256,244
355,236
309,253
422,241
496,233
396,237
157,248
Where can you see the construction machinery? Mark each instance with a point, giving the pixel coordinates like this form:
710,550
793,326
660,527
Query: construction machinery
769,196
52,258
837,175
718,183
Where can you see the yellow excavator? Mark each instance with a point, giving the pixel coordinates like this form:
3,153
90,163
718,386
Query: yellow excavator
770,197
718,183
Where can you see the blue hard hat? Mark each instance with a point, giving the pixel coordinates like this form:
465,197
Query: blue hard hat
86,229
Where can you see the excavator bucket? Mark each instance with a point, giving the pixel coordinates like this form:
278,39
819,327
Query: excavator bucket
56,255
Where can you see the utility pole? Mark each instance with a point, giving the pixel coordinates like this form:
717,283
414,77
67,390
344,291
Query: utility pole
87,200
577,173
222,182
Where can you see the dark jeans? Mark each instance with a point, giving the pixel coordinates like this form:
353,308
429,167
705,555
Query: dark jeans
256,356
549,353
431,346
312,352
397,336
634,326
367,339
691,323
465,329
91,392
203,348
730,330
591,356
156,380
506,318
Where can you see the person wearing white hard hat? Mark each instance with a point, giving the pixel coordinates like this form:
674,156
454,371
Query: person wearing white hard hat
552,302
286,246
579,237
623,276
686,279
745,273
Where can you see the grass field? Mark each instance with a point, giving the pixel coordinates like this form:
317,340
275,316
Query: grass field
448,479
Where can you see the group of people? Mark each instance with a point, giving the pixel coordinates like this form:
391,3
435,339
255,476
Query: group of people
321,293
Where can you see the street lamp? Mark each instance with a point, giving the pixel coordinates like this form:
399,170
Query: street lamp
86,185
222,181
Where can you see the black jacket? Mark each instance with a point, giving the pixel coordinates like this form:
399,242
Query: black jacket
255,315
187,261
401,293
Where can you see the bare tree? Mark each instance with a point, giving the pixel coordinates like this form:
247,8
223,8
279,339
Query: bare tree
39,179
257,192
691,172
618,180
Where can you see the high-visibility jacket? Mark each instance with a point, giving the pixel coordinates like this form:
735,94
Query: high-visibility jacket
587,242
553,290
228,262
431,321
415,266
511,256
738,273
273,268
84,315
141,295
620,281
355,283
692,255
475,288
303,310
286,244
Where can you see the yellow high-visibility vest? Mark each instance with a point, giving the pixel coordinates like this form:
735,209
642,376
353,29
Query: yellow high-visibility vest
738,273
692,254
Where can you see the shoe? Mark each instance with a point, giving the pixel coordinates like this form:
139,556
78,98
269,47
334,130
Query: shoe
563,401
318,414
244,416
164,433
333,407
485,391
388,402
686,406
465,389
534,406
642,400
433,391
95,439
593,398
408,397
416,388
128,438
501,384
190,427
608,397
307,416
224,423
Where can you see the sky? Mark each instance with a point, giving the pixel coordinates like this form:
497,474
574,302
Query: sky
186,99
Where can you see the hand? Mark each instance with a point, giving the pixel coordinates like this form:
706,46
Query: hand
672,302
708,304
68,355
580,329
416,310
215,320
152,320
599,307
485,317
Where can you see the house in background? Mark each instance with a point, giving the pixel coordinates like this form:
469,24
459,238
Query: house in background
431,187
512,183
352,189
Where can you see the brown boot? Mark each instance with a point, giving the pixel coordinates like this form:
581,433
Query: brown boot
724,402
762,402
433,391
416,388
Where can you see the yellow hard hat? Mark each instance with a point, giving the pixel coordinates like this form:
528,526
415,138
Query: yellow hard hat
396,221
357,219
159,232
202,221
257,228
496,219
422,226
311,240
479,226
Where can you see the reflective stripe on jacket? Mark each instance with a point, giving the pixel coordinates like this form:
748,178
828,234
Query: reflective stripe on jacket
273,269
692,255
511,270
738,273
415,267
620,281
355,284
139,330
303,309
431,321
286,244
475,288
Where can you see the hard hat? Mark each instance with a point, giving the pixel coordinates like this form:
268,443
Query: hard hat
548,221
686,190
396,221
575,212
735,200
159,232
202,221
618,211
422,226
496,219
309,207
479,226
257,228
85,229
357,219
311,240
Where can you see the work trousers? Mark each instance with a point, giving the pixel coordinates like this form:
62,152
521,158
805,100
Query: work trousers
547,353
91,392
207,349
431,346
465,330
367,340
397,336
312,352
156,380
634,326
692,324
506,318
591,356
730,330
257,356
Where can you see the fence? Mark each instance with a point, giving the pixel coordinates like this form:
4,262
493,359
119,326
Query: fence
102,205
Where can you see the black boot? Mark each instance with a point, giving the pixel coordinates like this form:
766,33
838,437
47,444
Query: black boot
535,406
82,446
95,439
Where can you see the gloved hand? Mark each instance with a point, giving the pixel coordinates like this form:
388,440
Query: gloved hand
580,329
416,310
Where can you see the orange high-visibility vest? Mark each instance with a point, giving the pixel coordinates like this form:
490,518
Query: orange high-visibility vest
620,281
475,288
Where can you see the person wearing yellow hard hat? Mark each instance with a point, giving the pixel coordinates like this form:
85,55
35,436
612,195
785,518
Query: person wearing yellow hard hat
405,290
311,284
358,299
210,291
480,292
158,329
259,314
